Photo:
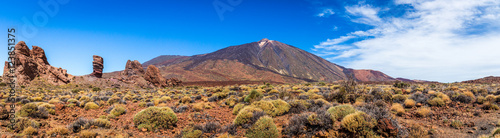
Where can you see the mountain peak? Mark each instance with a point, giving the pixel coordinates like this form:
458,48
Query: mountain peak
264,41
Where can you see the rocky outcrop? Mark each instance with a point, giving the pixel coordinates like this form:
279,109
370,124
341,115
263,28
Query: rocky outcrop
174,82
153,76
98,65
133,74
33,63
133,68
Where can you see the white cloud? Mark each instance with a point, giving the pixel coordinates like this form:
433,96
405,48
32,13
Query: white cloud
441,40
366,14
325,13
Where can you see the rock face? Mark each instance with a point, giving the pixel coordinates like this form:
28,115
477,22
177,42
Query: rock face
153,76
33,63
98,65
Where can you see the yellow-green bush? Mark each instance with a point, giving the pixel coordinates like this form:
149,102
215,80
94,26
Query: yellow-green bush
339,112
409,103
245,114
58,131
273,107
118,110
49,107
424,112
91,105
398,108
237,108
254,94
31,110
185,100
155,117
359,123
30,131
263,128
436,102
88,134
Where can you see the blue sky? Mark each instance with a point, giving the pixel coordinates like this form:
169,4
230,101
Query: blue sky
445,40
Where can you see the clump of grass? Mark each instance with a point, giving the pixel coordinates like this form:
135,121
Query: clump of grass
155,117
245,115
30,131
436,102
409,103
254,94
359,123
237,108
88,134
264,127
274,107
398,108
490,106
58,131
424,112
456,124
32,110
91,105
185,100
118,110
339,112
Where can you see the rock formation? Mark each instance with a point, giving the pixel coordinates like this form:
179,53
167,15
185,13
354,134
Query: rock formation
33,63
98,65
153,76
174,82
133,68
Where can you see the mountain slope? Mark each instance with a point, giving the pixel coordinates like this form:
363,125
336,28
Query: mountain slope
489,79
263,60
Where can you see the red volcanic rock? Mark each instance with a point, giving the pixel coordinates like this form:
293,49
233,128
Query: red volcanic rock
98,65
153,76
386,128
133,68
33,63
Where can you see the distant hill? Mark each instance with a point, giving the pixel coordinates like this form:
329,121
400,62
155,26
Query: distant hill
264,60
489,79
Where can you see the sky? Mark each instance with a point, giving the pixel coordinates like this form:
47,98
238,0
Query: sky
436,40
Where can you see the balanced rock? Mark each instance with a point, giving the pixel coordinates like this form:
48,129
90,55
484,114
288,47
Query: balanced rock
33,63
98,65
153,76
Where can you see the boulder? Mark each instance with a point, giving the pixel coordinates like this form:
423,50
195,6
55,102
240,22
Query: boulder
98,65
153,76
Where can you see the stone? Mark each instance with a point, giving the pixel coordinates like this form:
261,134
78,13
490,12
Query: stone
153,76
98,66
